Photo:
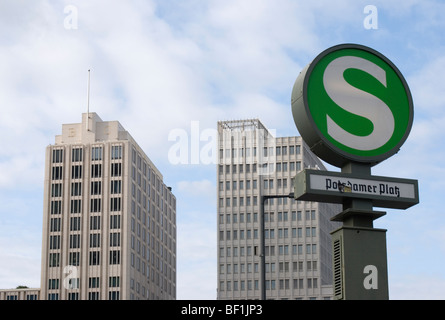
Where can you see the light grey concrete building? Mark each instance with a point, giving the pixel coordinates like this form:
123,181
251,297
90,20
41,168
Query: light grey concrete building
109,221
298,253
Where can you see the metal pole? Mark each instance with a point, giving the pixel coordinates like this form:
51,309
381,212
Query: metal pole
263,249
263,241
359,249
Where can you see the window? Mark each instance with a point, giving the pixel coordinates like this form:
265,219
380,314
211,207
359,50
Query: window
74,241
53,296
115,221
115,204
95,223
53,284
94,258
96,171
74,259
298,165
56,190
94,240
93,282
73,295
116,186
76,205
74,223
113,295
55,224
57,173
76,189
113,282
96,187
115,239
95,205
57,156
54,242
115,256
54,259
96,153
116,152
116,169
76,172
76,155
73,283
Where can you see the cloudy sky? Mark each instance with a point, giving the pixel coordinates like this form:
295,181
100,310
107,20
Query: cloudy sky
163,66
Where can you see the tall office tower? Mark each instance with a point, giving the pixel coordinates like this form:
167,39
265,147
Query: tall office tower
109,221
298,253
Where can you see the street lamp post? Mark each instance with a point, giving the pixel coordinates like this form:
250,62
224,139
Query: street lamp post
263,199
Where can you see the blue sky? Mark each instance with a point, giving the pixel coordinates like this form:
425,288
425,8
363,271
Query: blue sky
157,66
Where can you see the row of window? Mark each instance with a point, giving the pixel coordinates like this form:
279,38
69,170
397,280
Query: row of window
112,295
75,223
283,233
268,216
75,239
76,171
267,151
283,284
272,167
297,266
76,188
297,249
252,184
252,200
76,205
16,297
94,258
77,154
74,283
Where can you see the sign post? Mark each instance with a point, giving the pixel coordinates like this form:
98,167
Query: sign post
354,109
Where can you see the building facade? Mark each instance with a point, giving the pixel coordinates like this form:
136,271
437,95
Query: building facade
20,294
109,221
298,253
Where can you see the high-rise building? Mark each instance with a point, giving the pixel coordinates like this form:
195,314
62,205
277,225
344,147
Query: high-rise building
109,221
298,249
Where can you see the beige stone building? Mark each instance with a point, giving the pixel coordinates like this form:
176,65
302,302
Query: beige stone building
109,221
298,250
20,294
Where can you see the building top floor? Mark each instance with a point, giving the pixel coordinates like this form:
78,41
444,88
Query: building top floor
92,129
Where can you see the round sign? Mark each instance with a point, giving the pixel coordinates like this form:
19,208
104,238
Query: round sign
352,104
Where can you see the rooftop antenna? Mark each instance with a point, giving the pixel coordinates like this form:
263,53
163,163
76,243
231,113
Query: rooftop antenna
88,101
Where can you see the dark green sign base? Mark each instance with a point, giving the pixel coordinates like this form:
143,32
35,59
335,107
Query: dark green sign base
360,263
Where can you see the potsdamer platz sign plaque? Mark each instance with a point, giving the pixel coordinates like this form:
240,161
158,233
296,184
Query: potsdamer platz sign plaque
354,109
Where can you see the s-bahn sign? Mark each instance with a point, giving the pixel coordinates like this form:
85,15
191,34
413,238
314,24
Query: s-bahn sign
353,108
352,104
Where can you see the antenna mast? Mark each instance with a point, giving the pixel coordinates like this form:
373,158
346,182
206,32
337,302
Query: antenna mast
88,101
